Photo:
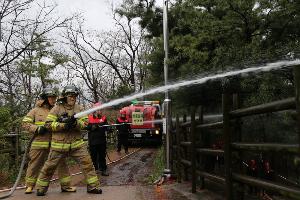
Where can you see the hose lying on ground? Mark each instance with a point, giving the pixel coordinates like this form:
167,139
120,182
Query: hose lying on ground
27,147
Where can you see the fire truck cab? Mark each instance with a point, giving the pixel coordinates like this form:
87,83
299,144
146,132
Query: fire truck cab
146,122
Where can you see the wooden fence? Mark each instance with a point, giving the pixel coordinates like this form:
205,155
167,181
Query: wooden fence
189,151
12,146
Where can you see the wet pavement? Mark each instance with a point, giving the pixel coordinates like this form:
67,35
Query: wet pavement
109,192
131,171
127,181
113,193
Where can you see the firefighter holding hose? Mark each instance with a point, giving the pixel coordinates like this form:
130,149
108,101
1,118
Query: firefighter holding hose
34,122
67,141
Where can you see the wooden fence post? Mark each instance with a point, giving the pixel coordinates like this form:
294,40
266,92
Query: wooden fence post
185,152
17,147
171,143
227,137
193,148
202,184
238,135
178,166
297,98
184,118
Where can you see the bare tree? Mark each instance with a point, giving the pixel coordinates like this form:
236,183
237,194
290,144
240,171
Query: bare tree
22,22
97,76
122,50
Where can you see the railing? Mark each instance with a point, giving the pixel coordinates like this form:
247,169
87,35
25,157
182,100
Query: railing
16,141
13,147
190,150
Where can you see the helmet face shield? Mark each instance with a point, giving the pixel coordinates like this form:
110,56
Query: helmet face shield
71,94
70,90
48,92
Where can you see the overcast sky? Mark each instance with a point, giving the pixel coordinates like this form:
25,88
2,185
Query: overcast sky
96,12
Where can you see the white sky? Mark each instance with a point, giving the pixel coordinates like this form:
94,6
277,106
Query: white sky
97,13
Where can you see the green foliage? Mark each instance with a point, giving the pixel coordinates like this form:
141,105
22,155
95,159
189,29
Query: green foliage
150,16
158,166
41,60
267,88
5,120
209,36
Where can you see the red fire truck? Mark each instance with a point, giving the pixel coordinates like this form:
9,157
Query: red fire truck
146,122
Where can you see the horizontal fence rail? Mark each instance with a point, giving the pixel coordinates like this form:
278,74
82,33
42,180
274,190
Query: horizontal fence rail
290,148
196,155
275,106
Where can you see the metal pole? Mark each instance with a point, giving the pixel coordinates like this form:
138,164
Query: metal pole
167,100
166,44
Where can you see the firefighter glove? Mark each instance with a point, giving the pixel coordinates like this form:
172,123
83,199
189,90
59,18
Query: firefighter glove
70,123
68,126
41,130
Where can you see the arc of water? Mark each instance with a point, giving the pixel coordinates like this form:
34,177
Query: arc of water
175,86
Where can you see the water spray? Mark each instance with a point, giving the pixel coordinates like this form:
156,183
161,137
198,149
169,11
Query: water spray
198,81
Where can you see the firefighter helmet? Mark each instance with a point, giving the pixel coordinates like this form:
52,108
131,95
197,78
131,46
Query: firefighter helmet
70,89
48,92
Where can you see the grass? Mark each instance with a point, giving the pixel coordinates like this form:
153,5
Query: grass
158,166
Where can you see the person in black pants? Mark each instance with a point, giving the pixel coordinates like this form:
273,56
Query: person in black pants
97,128
123,128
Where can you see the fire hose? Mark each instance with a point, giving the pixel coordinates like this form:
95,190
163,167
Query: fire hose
27,147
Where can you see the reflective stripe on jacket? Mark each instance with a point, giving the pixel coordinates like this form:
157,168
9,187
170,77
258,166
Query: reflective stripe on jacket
67,146
63,140
35,118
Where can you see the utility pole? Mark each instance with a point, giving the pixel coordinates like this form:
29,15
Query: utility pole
167,101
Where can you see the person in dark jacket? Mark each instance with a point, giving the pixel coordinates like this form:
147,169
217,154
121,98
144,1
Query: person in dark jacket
123,128
97,127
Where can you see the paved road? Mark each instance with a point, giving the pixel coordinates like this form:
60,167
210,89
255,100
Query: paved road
166,192
127,181
109,192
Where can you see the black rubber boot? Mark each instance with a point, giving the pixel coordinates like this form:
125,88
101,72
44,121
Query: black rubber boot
95,191
41,192
68,189
104,173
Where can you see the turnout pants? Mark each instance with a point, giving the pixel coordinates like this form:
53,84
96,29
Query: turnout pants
37,158
98,154
80,154
123,140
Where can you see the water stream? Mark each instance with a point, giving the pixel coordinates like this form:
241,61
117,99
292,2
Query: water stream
177,85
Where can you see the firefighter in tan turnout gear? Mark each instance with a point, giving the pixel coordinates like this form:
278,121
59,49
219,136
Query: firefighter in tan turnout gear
67,141
34,122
